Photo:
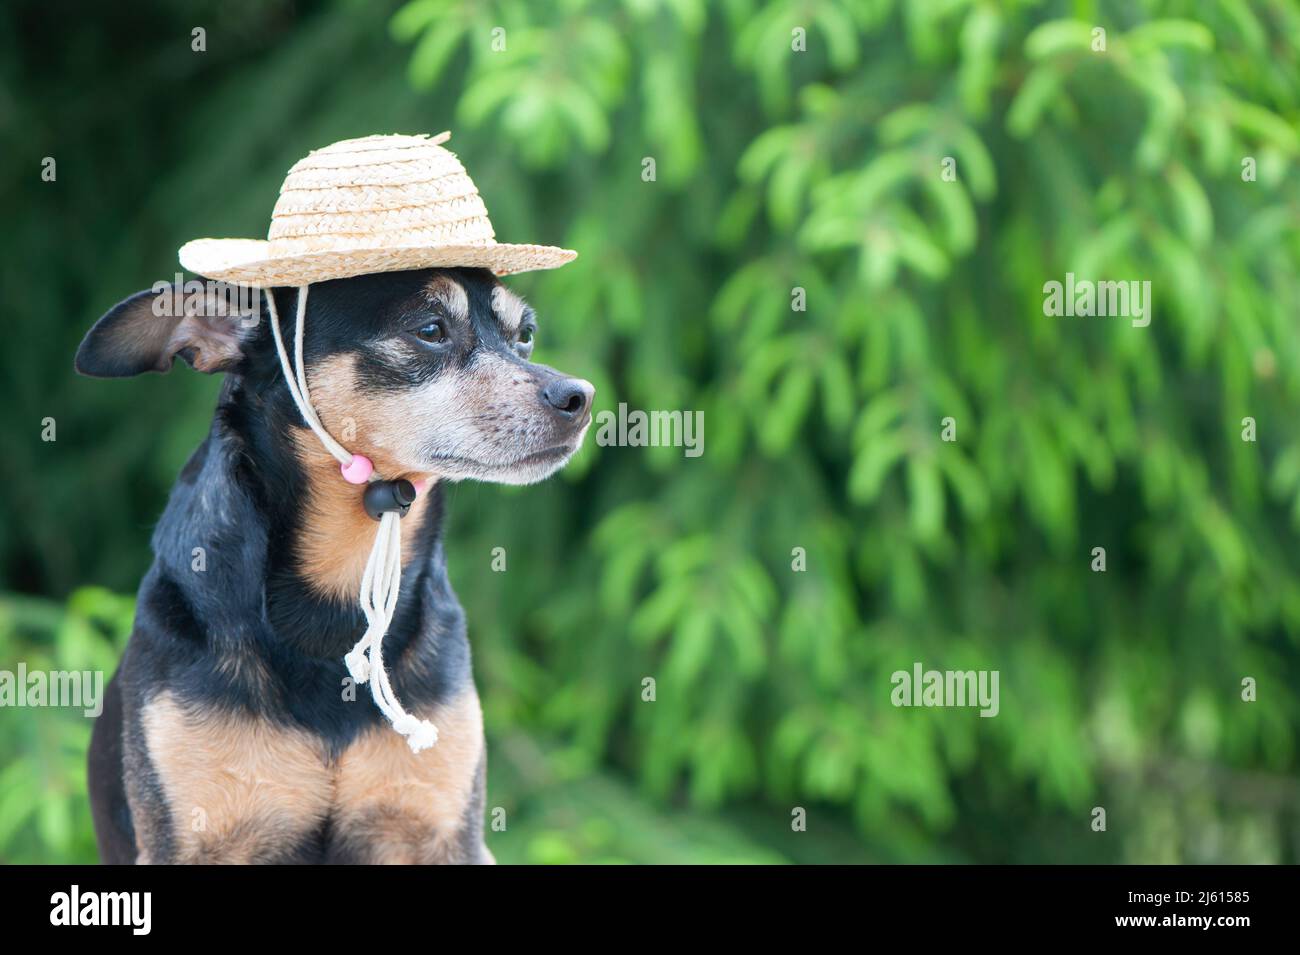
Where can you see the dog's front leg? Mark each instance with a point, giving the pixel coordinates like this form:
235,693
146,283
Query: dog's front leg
396,806
213,786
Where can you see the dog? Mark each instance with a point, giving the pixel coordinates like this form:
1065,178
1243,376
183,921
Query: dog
232,732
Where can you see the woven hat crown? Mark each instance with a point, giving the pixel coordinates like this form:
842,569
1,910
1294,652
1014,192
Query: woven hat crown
408,189
375,204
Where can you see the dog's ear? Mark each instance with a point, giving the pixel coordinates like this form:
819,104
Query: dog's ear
206,323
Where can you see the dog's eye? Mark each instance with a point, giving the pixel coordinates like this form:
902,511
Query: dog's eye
434,333
525,336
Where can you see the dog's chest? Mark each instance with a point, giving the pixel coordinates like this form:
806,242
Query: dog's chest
239,789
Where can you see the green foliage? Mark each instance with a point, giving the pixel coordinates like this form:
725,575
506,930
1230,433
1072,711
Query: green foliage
44,816
780,170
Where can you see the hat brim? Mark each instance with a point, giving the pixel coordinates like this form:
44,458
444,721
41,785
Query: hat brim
249,261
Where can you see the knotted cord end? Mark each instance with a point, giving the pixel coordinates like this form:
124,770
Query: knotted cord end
358,663
420,734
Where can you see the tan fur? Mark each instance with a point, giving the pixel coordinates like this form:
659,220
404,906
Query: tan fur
239,789
450,296
482,413
408,807
335,541
387,428
508,308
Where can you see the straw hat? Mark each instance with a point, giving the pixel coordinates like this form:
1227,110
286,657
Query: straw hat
378,204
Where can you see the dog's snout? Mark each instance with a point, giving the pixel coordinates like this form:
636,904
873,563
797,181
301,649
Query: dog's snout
570,397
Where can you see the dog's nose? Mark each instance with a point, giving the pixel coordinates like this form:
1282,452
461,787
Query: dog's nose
570,397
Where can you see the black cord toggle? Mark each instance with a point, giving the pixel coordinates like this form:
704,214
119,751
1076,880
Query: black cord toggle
383,496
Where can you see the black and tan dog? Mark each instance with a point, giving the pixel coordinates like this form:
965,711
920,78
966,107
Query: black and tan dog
231,732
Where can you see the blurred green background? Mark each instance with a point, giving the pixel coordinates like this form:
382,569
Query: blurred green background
775,170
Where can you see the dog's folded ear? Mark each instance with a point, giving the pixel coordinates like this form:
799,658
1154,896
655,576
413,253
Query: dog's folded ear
205,323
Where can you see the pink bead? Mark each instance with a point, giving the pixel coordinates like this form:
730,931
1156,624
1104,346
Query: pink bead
358,470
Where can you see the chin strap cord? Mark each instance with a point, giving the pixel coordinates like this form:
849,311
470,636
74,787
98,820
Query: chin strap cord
384,500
